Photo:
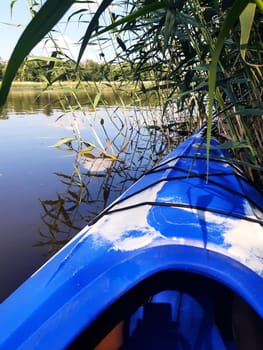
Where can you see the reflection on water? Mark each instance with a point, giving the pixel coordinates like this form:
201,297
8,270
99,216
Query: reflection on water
30,100
49,193
96,179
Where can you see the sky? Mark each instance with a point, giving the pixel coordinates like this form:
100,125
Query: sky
12,27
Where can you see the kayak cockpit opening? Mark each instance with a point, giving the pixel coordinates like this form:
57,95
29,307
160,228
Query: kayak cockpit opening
174,310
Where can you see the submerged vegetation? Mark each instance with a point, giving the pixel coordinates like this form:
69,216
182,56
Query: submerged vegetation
202,57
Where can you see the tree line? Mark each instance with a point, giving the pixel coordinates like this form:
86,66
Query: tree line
36,70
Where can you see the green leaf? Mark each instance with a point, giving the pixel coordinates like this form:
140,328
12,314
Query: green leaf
47,17
169,26
230,144
259,5
88,144
86,151
229,22
93,25
44,58
12,5
246,164
121,43
97,100
249,111
246,20
63,141
12,24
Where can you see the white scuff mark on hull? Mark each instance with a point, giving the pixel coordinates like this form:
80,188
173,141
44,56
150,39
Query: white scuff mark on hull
246,243
242,241
128,230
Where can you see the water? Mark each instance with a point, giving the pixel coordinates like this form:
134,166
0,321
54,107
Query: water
49,193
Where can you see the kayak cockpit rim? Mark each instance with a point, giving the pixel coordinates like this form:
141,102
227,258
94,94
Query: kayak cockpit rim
216,299
196,279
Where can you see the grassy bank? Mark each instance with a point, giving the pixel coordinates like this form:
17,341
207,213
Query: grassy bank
76,85
87,92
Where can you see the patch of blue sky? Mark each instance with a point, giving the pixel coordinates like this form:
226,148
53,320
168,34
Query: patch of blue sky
67,34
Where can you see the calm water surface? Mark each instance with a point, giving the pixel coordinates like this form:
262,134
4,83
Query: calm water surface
49,193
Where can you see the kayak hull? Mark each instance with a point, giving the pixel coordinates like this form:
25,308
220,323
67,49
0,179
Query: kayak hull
182,219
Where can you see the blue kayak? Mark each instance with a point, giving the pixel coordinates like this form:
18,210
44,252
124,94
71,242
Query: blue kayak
171,264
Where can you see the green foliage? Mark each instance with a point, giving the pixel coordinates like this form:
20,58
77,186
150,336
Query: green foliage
246,22
193,48
234,13
50,70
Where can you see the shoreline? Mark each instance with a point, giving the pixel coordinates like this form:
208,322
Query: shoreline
75,85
